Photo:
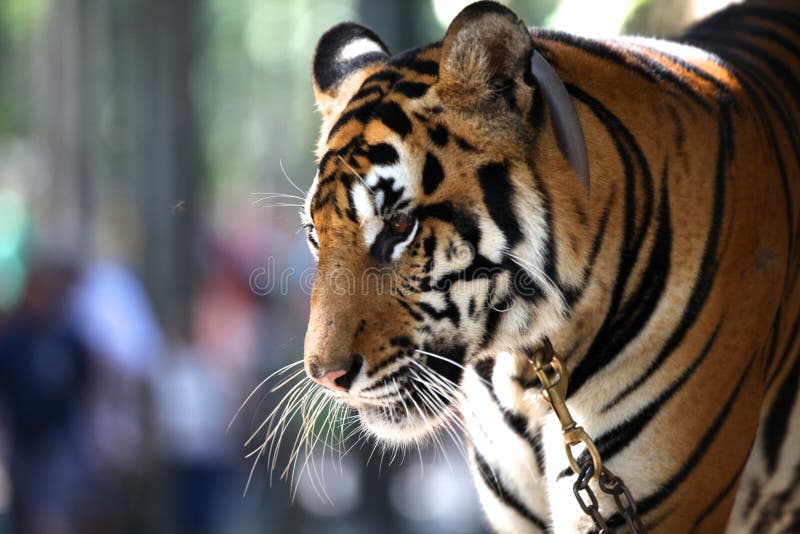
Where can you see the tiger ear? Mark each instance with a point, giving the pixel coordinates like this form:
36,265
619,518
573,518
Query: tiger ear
345,55
486,48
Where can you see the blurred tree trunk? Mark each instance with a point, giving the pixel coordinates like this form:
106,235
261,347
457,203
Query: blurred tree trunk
169,139
401,24
122,140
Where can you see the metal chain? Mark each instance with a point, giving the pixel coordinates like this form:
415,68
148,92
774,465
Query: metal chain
610,484
553,376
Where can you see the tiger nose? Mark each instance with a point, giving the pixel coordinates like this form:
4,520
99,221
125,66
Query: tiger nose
337,379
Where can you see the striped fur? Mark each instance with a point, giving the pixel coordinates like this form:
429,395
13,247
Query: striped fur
671,290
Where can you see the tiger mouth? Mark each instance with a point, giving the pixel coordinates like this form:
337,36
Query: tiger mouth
408,416
400,423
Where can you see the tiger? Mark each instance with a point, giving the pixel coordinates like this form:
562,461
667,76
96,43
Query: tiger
633,204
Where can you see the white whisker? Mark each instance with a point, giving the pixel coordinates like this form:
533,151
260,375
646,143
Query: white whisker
352,170
280,163
538,273
277,195
259,386
448,360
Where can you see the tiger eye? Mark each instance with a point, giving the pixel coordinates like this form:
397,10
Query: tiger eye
401,223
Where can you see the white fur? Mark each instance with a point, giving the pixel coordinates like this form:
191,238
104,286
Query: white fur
400,247
371,223
685,51
511,457
358,47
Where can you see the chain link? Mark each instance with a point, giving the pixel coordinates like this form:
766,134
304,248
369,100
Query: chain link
591,508
609,484
553,376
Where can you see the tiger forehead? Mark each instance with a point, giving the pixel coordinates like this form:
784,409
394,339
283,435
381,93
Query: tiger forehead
384,96
395,138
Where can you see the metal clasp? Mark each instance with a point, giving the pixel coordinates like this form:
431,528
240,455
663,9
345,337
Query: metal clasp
554,378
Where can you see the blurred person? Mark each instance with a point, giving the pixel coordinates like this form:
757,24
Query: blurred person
44,379
198,389
113,316
194,406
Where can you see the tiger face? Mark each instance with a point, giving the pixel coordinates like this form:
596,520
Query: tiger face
431,238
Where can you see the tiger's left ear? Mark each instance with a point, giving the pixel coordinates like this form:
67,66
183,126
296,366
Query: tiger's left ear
486,49
345,56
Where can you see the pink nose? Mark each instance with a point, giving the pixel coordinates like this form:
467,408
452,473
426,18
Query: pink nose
340,379
329,380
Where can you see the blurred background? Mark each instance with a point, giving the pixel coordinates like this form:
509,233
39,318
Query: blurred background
145,287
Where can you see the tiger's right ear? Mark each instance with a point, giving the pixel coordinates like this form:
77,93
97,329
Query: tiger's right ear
345,56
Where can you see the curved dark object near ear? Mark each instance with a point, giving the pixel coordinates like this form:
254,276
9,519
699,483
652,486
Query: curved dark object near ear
566,124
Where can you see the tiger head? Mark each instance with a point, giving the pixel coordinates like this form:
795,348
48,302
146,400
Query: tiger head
426,215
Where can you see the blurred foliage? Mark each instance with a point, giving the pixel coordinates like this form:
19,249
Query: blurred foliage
663,18
20,22
253,92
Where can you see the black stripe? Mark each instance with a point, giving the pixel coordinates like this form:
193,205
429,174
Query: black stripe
464,145
550,252
382,154
787,353
481,268
518,423
444,367
414,315
493,482
642,65
410,61
782,110
385,75
600,353
573,294
687,466
776,424
498,193
773,510
494,316
691,67
393,116
361,113
708,265
722,494
411,89
438,135
772,350
613,441
734,14
432,174
522,283
366,91
386,362
450,312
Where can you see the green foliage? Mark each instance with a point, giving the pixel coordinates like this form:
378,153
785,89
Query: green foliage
253,89
20,22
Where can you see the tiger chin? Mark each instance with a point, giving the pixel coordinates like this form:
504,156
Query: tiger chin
632,201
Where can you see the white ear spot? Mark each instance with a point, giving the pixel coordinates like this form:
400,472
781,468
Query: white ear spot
358,47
